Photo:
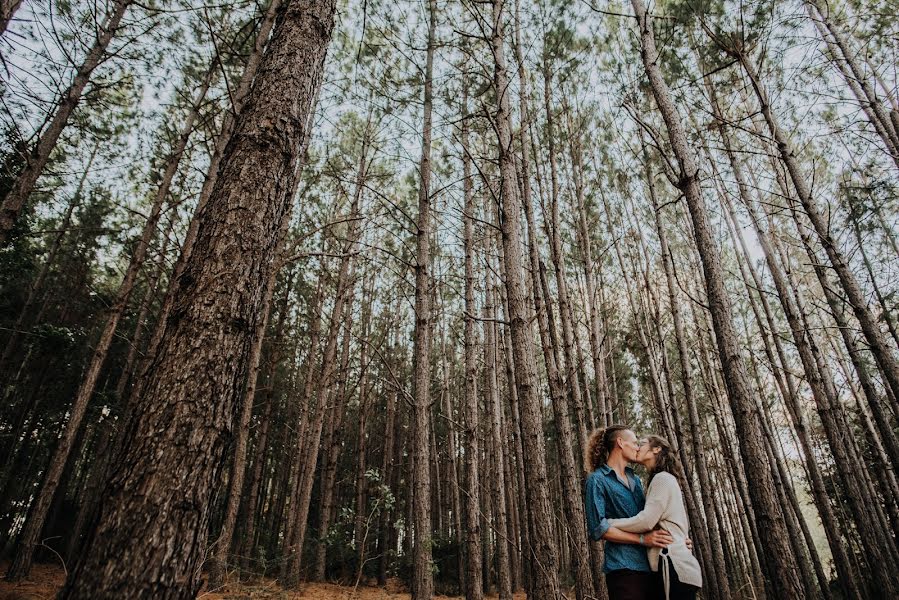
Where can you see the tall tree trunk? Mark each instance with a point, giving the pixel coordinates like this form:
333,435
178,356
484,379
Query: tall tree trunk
65,104
261,452
325,394
542,547
594,314
497,483
558,258
790,393
422,578
35,523
152,530
474,587
780,566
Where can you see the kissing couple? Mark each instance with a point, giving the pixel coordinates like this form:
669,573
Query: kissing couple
648,553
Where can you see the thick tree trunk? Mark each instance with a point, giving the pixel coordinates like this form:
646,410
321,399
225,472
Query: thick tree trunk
35,523
152,530
221,142
780,567
542,547
422,578
39,154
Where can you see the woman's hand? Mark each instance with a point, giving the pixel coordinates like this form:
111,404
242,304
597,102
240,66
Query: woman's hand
657,538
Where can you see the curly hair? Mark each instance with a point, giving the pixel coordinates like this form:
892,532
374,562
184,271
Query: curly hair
600,443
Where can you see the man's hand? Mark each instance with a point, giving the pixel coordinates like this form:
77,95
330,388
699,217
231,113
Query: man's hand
689,543
658,538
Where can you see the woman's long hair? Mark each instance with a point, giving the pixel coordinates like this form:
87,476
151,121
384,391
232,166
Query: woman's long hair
666,459
600,443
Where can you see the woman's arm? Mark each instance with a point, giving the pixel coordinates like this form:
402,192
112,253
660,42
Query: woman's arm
657,500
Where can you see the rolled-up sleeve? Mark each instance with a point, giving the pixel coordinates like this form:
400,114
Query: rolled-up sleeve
595,504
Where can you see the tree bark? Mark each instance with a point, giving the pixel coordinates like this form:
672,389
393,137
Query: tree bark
219,566
422,578
152,530
474,586
715,552
498,482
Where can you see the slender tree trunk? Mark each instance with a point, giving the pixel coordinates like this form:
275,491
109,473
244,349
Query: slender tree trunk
790,394
387,472
324,395
780,566
558,258
594,316
544,558
35,523
192,385
361,485
39,154
422,578
497,483
474,587
261,452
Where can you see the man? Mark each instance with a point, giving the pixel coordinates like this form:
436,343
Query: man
613,491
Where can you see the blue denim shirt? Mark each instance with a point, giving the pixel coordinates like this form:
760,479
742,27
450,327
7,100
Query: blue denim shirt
608,498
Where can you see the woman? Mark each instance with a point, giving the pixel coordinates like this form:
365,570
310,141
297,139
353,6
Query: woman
678,569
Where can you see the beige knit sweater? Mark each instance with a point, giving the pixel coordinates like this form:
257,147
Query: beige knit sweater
665,509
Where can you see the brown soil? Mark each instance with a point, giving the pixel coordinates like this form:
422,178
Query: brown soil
46,580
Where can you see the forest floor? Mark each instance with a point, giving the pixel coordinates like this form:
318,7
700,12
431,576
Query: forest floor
46,580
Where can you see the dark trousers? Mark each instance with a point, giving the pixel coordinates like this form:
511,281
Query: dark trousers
677,590
632,585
